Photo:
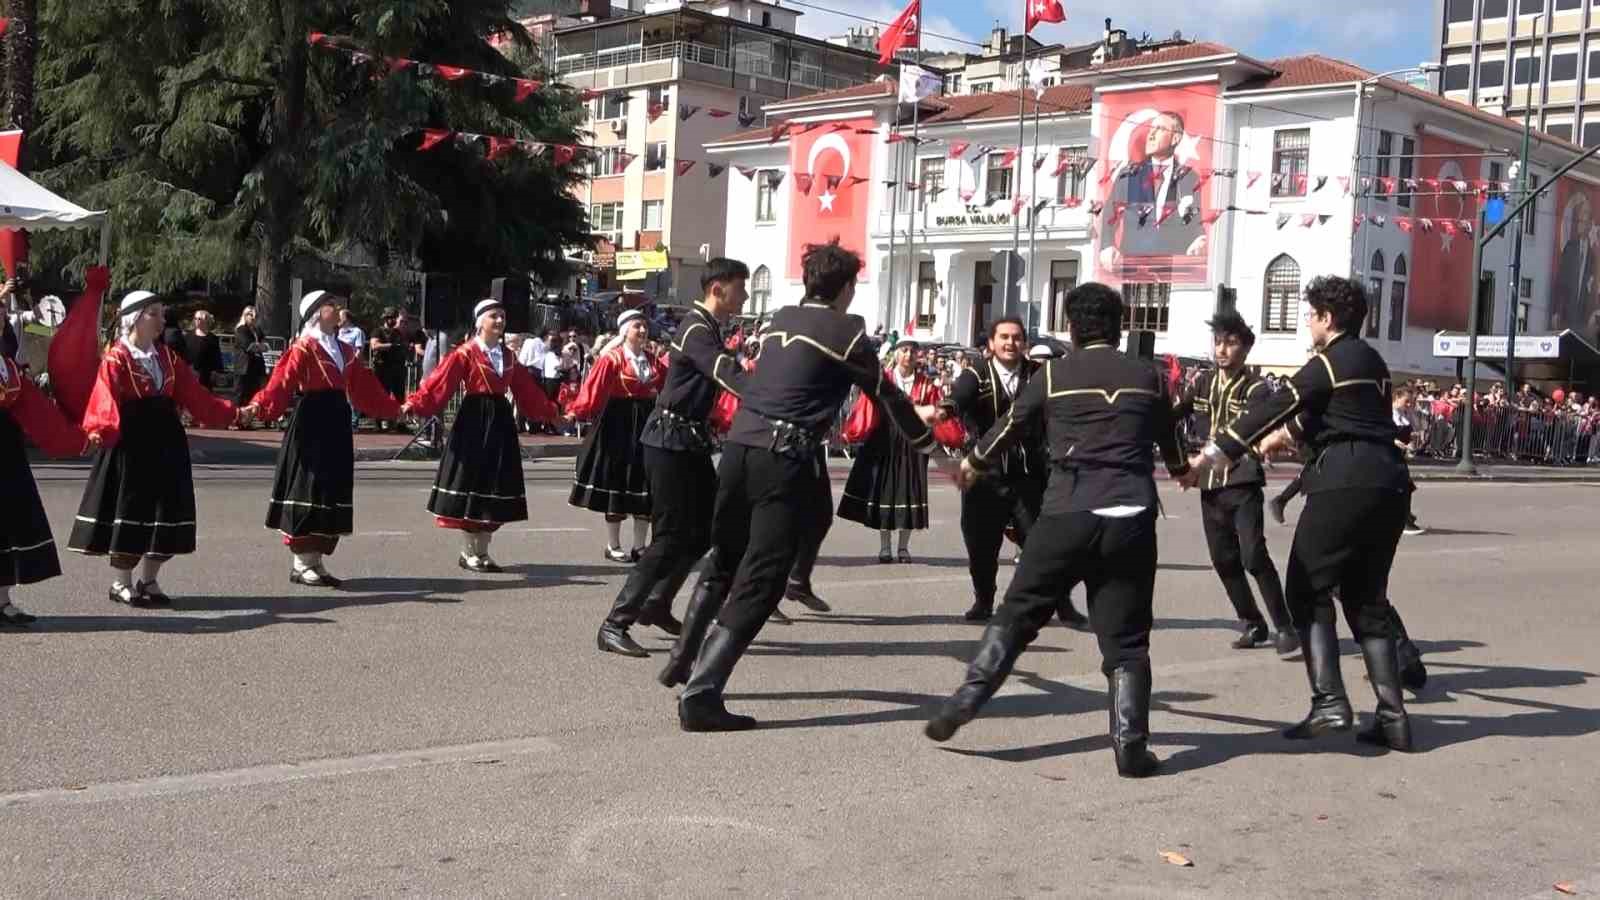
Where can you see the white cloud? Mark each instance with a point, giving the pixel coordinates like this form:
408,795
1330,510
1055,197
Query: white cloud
936,29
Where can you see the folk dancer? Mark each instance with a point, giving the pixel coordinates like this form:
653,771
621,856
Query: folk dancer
139,501
314,487
479,486
610,477
1102,412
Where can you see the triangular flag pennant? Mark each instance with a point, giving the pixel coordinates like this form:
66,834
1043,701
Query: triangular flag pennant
1037,207
746,119
936,191
1379,221
451,73
1321,180
1360,219
777,177
499,146
686,112
857,179
1389,185
317,39
655,111
1300,182
802,183
958,149
778,132
1096,208
1144,215
719,113
1448,226
1460,186
1016,204
1038,160
1322,218
891,185
1251,179
1166,213
1308,220
1211,218
1344,185
1009,157
842,126
684,165
625,160
1277,181
1427,224
1117,212
895,137
1466,225
747,171
588,94
833,181
966,194
400,64
432,137
1431,184
1410,184
564,153
715,171
1403,223
1283,219
526,88
1061,168
1072,202
1366,183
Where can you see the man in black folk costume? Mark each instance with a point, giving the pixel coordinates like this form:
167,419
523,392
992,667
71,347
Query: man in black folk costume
480,487
1102,413
1357,490
678,444
772,483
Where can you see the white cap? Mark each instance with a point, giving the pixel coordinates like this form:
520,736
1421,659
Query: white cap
484,306
311,302
628,316
135,301
1041,351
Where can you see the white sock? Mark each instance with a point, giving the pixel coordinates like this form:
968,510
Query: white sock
883,541
152,569
304,561
469,544
613,535
641,533
905,539
121,577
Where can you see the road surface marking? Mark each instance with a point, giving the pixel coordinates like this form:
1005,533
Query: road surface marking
277,773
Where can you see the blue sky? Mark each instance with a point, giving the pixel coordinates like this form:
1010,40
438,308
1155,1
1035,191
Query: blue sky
1371,33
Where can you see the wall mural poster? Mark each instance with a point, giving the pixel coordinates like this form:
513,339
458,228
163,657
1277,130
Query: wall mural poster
1440,294
830,175
1158,142
1574,289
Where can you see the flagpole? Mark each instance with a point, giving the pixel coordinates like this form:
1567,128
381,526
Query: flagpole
1022,122
912,268
1033,206
894,208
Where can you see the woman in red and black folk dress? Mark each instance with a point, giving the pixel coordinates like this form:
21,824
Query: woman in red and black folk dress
312,493
480,487
620,391
27,548
139,502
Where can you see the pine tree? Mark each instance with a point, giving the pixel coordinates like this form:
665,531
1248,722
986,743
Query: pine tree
222,140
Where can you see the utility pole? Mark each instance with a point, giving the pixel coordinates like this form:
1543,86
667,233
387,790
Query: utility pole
1514,288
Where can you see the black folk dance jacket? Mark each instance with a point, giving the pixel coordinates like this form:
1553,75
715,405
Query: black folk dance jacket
1216,401
1102,413
700,366
979,400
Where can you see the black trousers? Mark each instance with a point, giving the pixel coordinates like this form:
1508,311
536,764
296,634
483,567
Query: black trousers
1116,561
1345,542
768,507
987,508
683,493
810,543
1235,528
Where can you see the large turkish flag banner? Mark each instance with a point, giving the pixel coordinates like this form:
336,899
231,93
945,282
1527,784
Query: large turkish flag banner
1440,293
833,207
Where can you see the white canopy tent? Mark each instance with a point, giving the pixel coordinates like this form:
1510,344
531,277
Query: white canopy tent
26,204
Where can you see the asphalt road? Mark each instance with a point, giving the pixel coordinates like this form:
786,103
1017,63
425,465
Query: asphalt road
431,733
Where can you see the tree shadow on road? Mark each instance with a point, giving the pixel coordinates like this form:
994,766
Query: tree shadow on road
315,600
858,562
961,650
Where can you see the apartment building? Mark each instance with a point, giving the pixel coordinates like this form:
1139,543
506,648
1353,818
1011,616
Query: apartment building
1508,56
672,77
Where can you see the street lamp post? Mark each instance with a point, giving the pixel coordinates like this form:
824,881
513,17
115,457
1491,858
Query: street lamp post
1514,288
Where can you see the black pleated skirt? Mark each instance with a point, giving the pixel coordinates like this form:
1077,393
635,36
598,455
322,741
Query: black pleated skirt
140,495
610,476
480,475
27,549
888,484
314,486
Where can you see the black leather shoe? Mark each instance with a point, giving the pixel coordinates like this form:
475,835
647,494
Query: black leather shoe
1275,509
706,713
1330,708
152,593
981,611
885,557
125,595
661,619
805,596
483,565
617,554
1391,727
1286,642
1070,616
1252,636
904,556
1129,695
317,577
612,639
13,617
997,652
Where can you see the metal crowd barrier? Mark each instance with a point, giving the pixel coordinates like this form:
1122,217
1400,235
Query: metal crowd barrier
1513,435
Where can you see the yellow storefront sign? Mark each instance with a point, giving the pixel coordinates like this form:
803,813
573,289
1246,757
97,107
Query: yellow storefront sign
642,260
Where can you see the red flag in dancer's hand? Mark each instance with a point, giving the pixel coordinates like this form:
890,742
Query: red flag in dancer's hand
74,353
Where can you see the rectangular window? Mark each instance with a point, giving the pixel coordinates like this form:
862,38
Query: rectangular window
930,174
1384,163
1564,67
606,161
1591,134
1408,163
1497,174
660,96
1593,72
1562,130
605,217
1491,73
1529,7
1526,288
1457,76
652,214
998,185
927,295
1530,216
1458,11
1397,309
1281,297
1375,308
1291,158
982,88
1525,71
1072,182
952,83
766,190
1568,4
1145,306
1523,310
613,104
1495,9
1063,278
655,156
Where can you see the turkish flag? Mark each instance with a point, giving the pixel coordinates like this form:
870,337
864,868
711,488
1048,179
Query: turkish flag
904,31
818,216
1044,11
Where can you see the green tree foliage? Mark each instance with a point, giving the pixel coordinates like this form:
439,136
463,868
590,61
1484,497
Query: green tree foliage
222,141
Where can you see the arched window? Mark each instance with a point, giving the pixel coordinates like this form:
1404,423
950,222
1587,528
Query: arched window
1397,300
1281,296
1375,273
760,290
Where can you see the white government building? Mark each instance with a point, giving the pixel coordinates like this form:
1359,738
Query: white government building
1266,152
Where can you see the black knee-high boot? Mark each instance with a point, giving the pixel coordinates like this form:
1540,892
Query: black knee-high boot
657,608
700,707
1413,674
1392,727
704,604
799,588
1330,708
997,652
1129,690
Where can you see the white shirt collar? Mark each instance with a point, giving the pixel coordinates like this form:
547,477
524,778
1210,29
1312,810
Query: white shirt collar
147,360
496,355
330,343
